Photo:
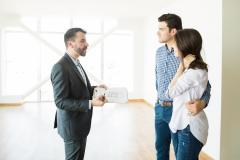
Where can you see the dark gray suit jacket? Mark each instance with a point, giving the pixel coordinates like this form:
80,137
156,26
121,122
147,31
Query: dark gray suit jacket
73,116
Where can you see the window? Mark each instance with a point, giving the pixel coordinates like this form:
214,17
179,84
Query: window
25,61
118,58
19,69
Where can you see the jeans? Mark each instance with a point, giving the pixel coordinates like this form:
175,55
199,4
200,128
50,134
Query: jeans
162,131
187,146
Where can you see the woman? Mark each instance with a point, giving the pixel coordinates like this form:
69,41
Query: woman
188,84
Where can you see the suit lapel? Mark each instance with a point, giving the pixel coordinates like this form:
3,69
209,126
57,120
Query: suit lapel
88,82
75,68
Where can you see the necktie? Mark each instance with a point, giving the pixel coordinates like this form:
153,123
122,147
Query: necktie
80,69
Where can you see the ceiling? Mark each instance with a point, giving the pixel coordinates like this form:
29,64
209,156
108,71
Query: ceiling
123,8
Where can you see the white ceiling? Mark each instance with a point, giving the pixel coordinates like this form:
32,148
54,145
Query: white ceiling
130,8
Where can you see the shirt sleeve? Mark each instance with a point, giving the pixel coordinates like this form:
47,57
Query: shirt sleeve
90,104
187,80
207,94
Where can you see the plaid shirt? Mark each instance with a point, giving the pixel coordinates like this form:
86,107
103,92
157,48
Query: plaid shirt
166,68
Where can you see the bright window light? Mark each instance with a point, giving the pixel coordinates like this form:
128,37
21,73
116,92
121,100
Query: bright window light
25,61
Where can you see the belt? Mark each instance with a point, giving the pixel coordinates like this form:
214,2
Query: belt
165,103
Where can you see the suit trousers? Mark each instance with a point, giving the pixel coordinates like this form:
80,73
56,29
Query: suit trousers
75,150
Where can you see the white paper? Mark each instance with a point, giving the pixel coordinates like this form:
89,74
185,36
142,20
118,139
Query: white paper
113,95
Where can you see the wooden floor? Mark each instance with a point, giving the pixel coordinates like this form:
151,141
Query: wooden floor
119,132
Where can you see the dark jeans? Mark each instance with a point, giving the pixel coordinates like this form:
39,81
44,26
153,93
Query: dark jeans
187,146
74,150
162,131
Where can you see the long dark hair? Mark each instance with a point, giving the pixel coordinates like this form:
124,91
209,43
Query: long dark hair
189,41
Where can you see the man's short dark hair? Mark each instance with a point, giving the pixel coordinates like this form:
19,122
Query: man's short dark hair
172,20
71,33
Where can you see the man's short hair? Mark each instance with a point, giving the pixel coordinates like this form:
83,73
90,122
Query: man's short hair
172,20
71,33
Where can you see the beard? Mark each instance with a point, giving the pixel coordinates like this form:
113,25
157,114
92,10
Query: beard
165,38
81,52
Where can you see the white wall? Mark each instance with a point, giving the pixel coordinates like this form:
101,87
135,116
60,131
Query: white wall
151,45
136,26
204,16
230,128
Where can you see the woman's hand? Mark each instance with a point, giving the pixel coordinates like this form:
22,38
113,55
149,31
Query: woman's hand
188,60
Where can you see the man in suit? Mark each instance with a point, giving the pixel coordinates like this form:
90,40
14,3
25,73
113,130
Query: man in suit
73,95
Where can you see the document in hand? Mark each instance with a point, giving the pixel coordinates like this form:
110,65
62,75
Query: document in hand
113,95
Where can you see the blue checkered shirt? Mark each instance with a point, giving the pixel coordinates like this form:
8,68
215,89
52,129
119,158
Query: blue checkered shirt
166,68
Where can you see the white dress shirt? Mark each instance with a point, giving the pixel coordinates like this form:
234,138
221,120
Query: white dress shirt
189,86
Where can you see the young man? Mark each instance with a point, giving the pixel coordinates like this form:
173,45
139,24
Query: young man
73,95
166,67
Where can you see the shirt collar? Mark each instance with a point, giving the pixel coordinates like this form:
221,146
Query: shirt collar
75,61
170,50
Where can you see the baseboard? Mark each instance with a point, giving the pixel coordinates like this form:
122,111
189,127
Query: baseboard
148,104
204,155
11,104
135,100
140,100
